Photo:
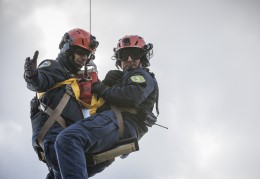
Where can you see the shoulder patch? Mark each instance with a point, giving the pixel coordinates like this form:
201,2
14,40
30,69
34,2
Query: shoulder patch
45,64
138,79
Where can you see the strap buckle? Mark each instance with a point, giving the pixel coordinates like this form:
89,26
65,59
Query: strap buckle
42,107
69,90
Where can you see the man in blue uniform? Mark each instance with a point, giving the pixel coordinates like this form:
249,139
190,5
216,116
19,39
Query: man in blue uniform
136,92
77,48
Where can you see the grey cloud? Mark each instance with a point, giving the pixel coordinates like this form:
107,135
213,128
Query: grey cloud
206,59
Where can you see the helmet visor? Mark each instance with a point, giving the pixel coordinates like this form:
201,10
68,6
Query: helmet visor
82,52
134,53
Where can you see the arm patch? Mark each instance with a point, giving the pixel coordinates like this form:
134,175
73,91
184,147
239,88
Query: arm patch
45,64
138,79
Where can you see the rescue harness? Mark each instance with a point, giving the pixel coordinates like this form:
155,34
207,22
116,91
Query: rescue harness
81,90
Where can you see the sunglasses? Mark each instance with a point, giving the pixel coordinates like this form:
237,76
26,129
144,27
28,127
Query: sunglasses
134,53
82,52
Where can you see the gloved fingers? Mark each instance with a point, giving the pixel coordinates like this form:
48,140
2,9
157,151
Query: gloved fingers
35,56
114,74
27,60
27,63
118,75
108,82
114,77
98,88
111,76
31,65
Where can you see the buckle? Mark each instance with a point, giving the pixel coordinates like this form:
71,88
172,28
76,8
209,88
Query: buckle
69,90
42,107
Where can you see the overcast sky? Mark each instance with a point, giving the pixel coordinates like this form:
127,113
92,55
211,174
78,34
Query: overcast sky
206,60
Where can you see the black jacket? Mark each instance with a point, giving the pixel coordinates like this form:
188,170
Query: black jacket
138,89
49,73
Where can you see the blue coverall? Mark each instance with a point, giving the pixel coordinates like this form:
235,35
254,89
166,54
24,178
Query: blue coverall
49,73
138,89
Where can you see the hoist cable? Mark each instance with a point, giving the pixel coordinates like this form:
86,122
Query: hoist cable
90,16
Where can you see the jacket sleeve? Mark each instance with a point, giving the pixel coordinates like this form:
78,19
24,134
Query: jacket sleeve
135,89
49,73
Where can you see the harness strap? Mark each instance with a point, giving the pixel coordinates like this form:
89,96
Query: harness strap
60,119
54,115
119,117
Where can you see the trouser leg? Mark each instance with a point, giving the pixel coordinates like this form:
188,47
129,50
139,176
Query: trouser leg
51,161
94,134
50,175
93,170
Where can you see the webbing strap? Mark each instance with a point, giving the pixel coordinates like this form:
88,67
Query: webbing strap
70,81
119,117
60,120
95,103
54,116
120,121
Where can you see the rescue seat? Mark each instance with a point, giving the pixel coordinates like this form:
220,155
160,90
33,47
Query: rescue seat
123,147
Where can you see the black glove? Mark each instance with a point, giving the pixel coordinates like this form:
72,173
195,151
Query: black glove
98,88
112,76
34,107
30,65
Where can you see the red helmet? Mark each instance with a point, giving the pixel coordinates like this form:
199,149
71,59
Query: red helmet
130,41
134,41
78,37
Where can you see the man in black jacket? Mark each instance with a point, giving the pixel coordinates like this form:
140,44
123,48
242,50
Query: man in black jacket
136,92
54,78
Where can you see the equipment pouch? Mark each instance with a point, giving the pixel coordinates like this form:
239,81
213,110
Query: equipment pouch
150,119
85,86
34,104
147,117
40,154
